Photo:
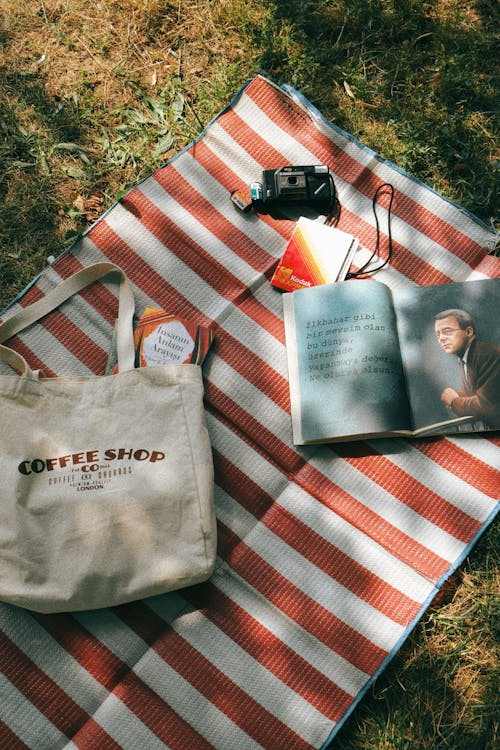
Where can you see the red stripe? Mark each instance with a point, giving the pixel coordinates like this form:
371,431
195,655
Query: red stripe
403,260
61,710
409,491
490,266
153,284
242,358
219,689
76,341
92,736
9,740
65,267
96,294
230,180
459,462
201,209
34,362
250,430
64,330
266,648
202,262
298,606
117,676
285,113
392,539
315,548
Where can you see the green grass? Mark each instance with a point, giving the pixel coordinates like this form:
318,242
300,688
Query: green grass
94,96
441,691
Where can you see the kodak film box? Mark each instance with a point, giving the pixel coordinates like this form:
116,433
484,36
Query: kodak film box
316,254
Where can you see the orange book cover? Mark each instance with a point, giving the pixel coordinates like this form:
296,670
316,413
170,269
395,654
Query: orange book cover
162,338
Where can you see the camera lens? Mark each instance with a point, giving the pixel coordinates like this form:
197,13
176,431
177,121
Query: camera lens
292,180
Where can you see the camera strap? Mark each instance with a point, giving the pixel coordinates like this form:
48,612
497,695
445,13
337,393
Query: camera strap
247,204
365,267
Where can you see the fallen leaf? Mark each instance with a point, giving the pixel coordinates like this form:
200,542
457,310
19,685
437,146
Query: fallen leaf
348,90
79,203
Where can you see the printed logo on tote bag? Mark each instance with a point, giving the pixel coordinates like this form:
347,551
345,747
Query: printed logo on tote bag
89,470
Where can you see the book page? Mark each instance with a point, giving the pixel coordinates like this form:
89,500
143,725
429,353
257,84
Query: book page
345,370
432,364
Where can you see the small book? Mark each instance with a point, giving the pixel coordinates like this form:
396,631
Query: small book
316,254
366,361
163,338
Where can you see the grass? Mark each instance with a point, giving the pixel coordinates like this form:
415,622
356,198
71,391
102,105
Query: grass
94,96
441,690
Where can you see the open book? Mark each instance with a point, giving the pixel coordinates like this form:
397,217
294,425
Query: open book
367,361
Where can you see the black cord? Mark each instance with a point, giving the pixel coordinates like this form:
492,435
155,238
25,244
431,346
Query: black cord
363,270
334,214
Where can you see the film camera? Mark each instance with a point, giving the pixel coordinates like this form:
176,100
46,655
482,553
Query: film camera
294,188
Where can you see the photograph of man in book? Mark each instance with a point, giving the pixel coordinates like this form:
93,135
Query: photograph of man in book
479,367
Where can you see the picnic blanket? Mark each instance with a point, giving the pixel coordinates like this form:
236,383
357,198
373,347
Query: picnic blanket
327,555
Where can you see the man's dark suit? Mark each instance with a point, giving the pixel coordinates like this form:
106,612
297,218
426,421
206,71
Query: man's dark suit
483,375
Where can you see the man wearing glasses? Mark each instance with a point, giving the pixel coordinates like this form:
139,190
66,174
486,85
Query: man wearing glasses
479,363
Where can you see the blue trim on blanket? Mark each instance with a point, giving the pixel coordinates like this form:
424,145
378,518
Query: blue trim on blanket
390,656
317,114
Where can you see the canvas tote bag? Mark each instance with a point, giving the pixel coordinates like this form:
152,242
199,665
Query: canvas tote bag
106,491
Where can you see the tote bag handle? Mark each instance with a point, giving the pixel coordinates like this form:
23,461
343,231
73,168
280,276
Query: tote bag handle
61,293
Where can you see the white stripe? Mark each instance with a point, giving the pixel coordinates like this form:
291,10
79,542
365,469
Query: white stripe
322,520
123,725
440,480
237,158
246,672
326,661
313,582
200,179
205,718
75,680
257,339
422,194
388,507
25,720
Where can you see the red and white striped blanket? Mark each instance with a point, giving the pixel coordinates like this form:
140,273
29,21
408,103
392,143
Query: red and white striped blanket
328,555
